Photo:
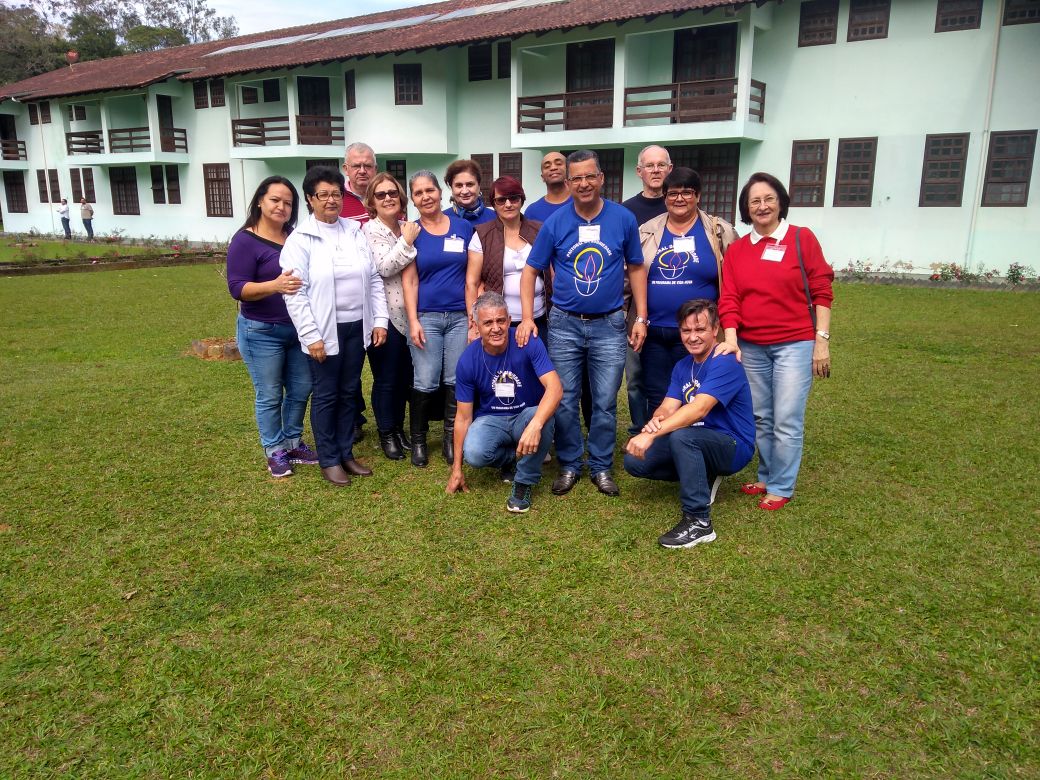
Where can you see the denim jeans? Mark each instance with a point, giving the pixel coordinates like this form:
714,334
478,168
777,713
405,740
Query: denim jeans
66,225
662,349
391,379
780,376
600,344
335,398
694,456
491,441
88,225
281,379
635,382
446,333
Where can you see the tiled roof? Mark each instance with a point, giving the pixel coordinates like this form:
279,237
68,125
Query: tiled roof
206,60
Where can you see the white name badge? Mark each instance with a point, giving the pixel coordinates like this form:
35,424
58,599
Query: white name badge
519,263
505,389
588,233
774,253
684,244
453,244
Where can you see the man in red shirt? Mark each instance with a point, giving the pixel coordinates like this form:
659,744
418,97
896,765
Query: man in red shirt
359,166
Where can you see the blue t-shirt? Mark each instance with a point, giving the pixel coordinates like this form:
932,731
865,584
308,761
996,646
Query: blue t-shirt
588,258
541,209
503,384
441,264
723,378
676,277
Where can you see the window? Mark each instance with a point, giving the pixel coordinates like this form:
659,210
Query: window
14,188
218,189
308,164
47,182
1021,11
124,190
408,85
1008,168
868,19
398,170
511,164
250,96
505,56
942,179
201,95
39,113
818,24
216,92
350,84
166,184
45,113
486,163
52,177
854,183
34,114
809,172
958,15
82,185
77,113
480,62
41,183
272,91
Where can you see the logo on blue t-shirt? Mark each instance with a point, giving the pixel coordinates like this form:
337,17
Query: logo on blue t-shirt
672,264
689,391
504,387
588,269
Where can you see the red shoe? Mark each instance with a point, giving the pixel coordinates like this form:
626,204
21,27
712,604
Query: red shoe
770,505
752,489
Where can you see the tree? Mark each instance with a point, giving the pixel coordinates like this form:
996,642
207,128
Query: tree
30,45
145,37
92,37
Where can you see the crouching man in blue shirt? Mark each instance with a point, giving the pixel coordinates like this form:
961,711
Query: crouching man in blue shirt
703,430
506,400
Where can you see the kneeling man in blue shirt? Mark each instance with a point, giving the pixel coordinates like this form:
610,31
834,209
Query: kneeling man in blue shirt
703,430
506,400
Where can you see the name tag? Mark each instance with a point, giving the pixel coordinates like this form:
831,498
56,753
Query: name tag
505,390
774,253
588,233
341,258
453,244
519,262
685,244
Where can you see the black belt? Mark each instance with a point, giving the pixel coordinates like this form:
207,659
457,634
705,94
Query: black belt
584,316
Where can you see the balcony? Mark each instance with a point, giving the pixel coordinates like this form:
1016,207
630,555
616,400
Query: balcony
710,100
584,110
129,139
84,142
319,130
274,131
12,150
173,139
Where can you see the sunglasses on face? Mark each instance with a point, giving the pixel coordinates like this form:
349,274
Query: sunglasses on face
385,195
502,200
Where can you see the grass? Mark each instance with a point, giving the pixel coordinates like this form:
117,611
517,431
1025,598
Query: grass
167,610
26,250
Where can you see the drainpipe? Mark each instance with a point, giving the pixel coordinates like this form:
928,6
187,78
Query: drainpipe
984,151
46,173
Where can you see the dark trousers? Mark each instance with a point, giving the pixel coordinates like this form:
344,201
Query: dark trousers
334,396
661,351
391,379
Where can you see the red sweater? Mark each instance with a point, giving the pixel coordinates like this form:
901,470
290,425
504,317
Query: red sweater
765,300
354,209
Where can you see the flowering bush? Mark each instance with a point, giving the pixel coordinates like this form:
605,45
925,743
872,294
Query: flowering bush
1018,273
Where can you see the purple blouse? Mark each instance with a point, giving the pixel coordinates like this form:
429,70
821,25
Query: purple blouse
251,258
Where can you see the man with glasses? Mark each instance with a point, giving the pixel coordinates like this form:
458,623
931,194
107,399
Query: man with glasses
591,245
359,165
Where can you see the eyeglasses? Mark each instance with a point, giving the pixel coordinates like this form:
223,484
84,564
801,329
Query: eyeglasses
502,200
656,167
385,195
326,196
768,200
681,194
588,178
361,167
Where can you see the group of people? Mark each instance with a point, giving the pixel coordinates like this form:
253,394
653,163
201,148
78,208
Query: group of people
515,325
86,215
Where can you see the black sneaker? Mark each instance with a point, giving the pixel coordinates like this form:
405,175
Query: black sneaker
688,532
520,499
508,472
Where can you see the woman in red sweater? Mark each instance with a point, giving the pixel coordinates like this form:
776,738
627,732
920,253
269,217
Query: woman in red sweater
777,319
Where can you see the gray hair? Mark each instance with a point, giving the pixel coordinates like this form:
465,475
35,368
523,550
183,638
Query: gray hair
423,174
645,149
489,300
583,155
359,146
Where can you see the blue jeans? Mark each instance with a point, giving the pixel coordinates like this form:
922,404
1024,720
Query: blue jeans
336,394
491,441
66,225
694,456
780,376
662,349
446,333
88,225
281,379
599,344
391,379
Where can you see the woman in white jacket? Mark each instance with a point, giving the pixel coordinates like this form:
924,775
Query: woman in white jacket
339,310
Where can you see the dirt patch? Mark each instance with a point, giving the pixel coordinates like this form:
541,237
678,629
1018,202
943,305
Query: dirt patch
215,349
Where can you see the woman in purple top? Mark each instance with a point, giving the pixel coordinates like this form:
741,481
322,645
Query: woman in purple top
266,336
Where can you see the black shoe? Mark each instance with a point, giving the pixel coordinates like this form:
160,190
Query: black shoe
688,532
402,439
508,472
564,481
519,500
450,408
419,416
420,456
359,433
391,447
605,483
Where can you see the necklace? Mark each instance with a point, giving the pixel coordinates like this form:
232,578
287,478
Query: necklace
504,359
695,376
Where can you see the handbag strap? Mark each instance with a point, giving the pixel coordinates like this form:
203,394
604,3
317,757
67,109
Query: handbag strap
805,276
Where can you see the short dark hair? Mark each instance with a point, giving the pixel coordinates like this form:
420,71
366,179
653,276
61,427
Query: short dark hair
461,166
583,155
321,174
507,186
683,178
253,217
698,306
772,181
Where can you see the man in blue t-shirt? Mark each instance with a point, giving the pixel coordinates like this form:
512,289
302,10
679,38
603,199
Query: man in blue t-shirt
591,246
554,174
703,430
506,400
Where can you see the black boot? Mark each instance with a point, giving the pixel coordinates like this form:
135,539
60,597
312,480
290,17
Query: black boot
402,439
417,421
388,441
448,442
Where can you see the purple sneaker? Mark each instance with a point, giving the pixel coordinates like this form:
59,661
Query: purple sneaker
303,455
278,465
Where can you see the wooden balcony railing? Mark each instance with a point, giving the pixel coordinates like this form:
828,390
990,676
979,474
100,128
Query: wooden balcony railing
709,100
757,109
262,131
85,142
129,139
566,111
173,139
13,150
319,130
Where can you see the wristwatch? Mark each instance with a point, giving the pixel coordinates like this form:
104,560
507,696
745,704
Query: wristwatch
826,336
642,320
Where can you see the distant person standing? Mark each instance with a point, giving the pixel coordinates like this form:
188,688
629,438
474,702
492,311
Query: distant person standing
63,212
557,193
359,166
86,213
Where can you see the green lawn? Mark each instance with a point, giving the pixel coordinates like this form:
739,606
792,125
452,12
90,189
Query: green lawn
28,250
167,610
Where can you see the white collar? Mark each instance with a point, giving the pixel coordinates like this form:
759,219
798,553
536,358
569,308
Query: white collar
778,234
